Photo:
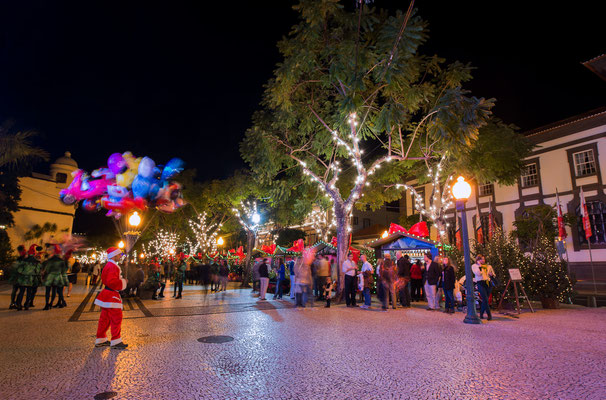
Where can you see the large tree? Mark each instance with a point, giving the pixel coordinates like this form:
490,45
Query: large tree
352,95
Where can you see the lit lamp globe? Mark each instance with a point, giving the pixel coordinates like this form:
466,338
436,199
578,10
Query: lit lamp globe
142,256
385,234
220,241
461,190
134,219
256,218
171,251
121,244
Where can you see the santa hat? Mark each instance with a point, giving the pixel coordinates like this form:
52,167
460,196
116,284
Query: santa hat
21,250
112,252
55,246
33,249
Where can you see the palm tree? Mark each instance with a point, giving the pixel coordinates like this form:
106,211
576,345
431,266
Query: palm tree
16,149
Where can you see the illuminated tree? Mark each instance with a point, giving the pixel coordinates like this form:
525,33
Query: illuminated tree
352,96
205,235
248,216
164,245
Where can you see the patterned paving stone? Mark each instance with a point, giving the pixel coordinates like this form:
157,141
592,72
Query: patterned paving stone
280,352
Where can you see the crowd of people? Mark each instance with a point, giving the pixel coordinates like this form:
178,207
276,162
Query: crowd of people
397,282
41,266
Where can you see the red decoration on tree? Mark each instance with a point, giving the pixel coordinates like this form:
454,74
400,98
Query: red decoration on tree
297,246
419,229
268,249
393,228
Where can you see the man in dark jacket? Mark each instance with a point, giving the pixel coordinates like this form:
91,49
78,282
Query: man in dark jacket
404,279
434,271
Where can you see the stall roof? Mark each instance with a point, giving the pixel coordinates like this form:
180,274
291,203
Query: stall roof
408,239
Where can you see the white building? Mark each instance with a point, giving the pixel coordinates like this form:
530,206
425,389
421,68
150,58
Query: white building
40,203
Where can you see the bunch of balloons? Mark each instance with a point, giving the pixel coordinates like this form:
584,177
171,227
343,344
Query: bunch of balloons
127,183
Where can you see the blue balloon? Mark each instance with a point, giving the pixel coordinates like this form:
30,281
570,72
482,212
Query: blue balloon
172,168
154,188
141,186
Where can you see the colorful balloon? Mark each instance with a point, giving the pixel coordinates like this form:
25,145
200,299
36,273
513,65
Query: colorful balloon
116,163
146,167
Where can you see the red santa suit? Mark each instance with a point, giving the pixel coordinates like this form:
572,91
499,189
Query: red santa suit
110,301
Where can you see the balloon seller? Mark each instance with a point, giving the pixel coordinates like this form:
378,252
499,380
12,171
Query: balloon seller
110,302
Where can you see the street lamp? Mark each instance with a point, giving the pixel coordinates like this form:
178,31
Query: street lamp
121,244
461,191
134,219
256,218
220,241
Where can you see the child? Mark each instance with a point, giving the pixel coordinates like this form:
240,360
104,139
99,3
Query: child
328,287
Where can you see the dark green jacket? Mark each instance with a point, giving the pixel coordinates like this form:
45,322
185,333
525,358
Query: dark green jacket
13,274
55,272
180,272
28,271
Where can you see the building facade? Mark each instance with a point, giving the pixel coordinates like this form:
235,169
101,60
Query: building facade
40,204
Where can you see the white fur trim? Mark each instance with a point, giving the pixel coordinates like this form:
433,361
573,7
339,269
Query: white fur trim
100,340
115,342
107,304
113,253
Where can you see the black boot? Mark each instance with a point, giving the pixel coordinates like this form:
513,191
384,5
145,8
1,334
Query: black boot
46,307
12,306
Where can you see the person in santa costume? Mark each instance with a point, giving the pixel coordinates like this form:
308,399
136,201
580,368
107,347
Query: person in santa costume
110,302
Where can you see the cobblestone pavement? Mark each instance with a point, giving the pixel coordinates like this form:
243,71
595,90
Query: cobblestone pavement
279,352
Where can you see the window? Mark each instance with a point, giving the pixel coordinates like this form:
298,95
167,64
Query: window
355,220
61,177
584,163
486,189
393,206
365,222
530,176
597,219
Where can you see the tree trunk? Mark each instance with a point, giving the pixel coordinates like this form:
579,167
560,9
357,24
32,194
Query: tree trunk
342,246
251,238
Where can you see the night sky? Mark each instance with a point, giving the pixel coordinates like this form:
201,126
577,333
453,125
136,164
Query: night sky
183,78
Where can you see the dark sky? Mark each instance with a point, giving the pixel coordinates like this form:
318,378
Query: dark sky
182,79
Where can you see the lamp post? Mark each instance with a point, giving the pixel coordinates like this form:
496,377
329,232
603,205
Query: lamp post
132,235
220,243
461,191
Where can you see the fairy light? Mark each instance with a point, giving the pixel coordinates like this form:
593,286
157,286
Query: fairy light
205,235
164,244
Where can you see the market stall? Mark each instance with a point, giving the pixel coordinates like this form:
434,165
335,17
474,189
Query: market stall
412,245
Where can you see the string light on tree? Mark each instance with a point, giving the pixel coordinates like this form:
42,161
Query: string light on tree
164,245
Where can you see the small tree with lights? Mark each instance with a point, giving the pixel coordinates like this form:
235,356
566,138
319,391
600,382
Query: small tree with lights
248,216
164,245
205,234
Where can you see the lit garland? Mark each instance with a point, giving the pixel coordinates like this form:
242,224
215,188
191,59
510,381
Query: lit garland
164,245
322,222
245,215
436,210
205,235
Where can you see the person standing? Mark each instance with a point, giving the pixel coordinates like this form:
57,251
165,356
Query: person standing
323,274
54,268
388,282
280,276
416,281
431,283
180,273
139,278
72,276
96,273
14,275
110,302
27,271
448,284
349,269
223,275
404,279
263,279
291,270
303,280
367,273
255,273
481,279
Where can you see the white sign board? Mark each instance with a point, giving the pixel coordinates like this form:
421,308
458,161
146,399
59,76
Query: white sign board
515,275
